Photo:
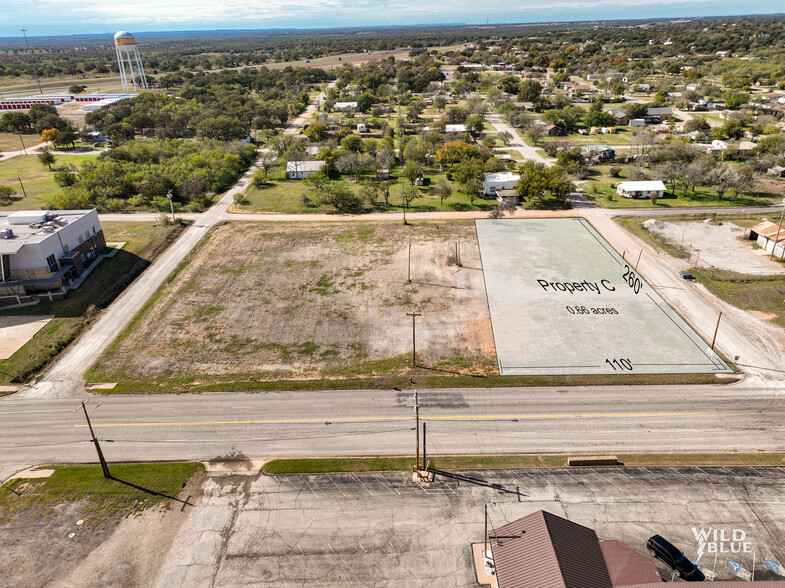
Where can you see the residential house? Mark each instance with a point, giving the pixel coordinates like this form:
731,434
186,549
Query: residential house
599,152
457,128
663,113
494,182
297,170
618,113
777,171
382,174
643,189
345,106
748,147
554,131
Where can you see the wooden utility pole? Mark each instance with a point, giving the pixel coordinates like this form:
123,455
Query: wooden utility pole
104,465
485,537
416,407
409,266
400,144
23,186
717,328
777,238
424,452
414,316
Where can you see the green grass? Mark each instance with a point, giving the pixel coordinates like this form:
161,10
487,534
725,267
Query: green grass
387,376
764,294
473,462
146,486
286,197
38,180
73,314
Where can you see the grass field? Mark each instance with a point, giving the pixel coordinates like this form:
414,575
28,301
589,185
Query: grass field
11,142
72,315
763,295
38,180
133,488
467,462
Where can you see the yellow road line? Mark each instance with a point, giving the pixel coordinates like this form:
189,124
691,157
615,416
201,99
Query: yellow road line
428,418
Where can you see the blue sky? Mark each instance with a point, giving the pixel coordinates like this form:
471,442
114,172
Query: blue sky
68,17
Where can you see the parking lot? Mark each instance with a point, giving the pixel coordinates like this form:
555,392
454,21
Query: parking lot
383,530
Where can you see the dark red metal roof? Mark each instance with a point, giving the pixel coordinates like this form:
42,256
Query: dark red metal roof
543,550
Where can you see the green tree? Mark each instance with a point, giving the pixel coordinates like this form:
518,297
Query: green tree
636,110
529,90
443,190
75,89
6,194
353,143
316,132
341,197
46,158
509,84
597,118
412,170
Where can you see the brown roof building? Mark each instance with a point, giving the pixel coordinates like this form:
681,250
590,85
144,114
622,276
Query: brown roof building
543,550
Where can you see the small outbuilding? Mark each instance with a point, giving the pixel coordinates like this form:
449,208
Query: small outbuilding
644,189
770,237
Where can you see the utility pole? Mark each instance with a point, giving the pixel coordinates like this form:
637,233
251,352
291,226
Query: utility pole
414,316
416,407
777,238
639,260
23,186
23,144
458,251
409,267
32,61
104,466
171,204
424,452
684,232
485,536
717,328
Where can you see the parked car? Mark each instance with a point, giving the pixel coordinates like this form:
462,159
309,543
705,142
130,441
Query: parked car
664,551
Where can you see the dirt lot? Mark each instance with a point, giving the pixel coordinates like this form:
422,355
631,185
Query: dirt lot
313,302
722,246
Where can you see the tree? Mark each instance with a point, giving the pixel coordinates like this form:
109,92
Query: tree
721,178
46,158
353,143
733,129
535,133
281,143
353,163
505,137
373,191
443,190
318,182
65,176
529,90
697,123
316,132
567,117
341,197
414,110
537,179
15,122
457,151
6,194
636,110
475,126
597,118
734,100
509,84
365,102
439,103
412,170
50,135
259,178
75,89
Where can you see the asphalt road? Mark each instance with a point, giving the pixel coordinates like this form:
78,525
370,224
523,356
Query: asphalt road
380,422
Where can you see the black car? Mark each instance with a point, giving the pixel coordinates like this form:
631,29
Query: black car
664,551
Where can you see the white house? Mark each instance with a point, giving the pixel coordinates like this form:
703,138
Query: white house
770,237
344,106
454,128
717,144
362,128
646,189
40,251
494,182
297,170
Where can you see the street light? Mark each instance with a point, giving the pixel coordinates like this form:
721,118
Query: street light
32,61
171,204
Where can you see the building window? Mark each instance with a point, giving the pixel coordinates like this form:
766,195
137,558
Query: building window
65,248
52,263
81,239
87,234
94,231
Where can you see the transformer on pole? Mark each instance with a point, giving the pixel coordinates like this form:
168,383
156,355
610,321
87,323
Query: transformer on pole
128,54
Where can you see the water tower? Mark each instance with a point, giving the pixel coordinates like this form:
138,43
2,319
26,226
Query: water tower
128,53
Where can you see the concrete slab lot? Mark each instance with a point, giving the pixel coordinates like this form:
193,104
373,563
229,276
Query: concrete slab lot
563,301
382,530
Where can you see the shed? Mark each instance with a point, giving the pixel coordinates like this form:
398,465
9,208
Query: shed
644,189
455,128
770,237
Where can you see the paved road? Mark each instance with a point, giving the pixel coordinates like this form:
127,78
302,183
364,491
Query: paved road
323,423
517,144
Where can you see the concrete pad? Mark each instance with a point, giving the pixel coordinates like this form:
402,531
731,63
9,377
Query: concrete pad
107,386
15,331
564,302
33,473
